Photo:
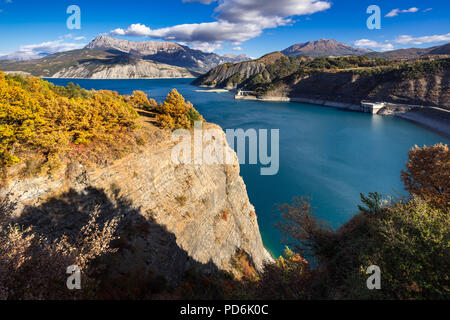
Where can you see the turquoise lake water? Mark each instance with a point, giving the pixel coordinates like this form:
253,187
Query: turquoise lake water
327,154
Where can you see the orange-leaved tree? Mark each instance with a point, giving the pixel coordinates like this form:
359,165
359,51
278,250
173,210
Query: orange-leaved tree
140,100
176,112
427,174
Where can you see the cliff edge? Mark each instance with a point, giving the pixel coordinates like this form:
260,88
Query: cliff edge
177,217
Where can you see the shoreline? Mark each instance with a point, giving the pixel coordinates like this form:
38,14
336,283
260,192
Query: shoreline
213,91
321,102
23,73
116,78
432,118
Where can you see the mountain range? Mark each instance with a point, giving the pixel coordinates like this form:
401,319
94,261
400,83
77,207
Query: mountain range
411,53
330,48
110,58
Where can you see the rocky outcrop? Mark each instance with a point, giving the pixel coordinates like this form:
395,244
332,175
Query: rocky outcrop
177,217
229,76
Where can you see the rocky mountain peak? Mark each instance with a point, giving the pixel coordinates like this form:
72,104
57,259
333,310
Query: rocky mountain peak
323,47
143,48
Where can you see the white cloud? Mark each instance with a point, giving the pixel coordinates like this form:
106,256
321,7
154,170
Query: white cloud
201,1
133,30
427,9
237,21
406,39
203,46
413,9
255,10
366,43
237,49
395,12
392,13
196,32
34,51
79,38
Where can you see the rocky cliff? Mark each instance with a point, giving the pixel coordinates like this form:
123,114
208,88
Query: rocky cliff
176,217
426,90
225,76
138,69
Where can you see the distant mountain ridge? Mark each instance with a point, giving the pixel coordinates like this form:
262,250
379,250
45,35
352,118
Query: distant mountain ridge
411,53
323,48
110,58
330,47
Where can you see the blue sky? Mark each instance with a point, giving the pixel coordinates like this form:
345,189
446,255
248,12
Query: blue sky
253,27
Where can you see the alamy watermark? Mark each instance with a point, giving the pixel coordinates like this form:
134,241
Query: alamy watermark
374,20
74,20
209,147
74,280
374,281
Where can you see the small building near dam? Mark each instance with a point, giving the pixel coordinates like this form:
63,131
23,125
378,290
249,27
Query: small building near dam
371,107
243,93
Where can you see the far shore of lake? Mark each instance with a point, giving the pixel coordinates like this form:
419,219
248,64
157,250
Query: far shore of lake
433,118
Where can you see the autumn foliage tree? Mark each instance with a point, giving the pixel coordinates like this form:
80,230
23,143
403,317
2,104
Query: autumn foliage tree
176,113
427,174
140,100
39,117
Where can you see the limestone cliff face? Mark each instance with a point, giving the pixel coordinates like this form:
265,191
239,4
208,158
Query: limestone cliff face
133,70
179,216
166,52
